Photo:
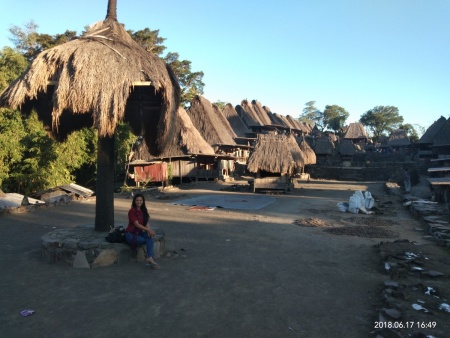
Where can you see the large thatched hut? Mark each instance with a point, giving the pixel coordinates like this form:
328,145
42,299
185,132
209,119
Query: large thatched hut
100,79
248,115
235,121
210,122
398,138
309,156
278,154
355,132
261,112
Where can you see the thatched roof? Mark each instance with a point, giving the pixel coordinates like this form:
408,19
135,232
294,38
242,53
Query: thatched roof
248,115
210,122
443,137
276,121
235,121
261,112
186,140
273,153
347,148
433,131
398,138
323,146
91,81
355,131
308,154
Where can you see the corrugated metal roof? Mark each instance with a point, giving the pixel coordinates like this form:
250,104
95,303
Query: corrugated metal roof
13,200
77,189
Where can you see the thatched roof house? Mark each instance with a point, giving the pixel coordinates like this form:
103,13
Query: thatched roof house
398,138
347,148
210,122
248,115
235,121
433,131
186,141
443,137
355,132
100,79
323,146
309,156
275,154
97,80
261,112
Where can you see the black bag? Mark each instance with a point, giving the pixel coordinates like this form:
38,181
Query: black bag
116,235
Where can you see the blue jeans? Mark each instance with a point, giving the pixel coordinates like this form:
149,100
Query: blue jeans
141,239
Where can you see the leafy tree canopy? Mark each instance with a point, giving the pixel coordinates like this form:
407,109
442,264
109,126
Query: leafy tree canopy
334,117
312,115
381,119
12,64
220,104
411,131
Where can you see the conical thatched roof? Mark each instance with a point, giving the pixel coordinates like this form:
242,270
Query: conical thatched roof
276,121
210,122
248,115
323,146
235,121
433,131
398,138
186,140
308,154
347,148
91,80
443,137
272,154
262,114
355,131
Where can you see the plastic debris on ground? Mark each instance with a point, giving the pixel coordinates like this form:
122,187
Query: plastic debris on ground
26,313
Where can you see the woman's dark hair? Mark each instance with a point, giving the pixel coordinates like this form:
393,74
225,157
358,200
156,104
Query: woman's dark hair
143,207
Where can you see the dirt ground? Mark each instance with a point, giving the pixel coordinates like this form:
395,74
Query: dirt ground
296,268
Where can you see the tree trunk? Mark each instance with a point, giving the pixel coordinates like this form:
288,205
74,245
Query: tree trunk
104,206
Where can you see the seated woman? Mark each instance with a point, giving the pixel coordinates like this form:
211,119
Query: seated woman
138,231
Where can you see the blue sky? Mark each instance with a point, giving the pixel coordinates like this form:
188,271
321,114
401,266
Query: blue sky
356,54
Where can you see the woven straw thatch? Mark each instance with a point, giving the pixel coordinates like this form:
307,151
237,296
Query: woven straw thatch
273,153
443,137
309,156
186,140
92,81
210,122
398,138
276,121
323,146
433,131
235,121
261,112
347,148
248,115
355,131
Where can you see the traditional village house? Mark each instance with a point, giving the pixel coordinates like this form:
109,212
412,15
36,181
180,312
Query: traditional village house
217,131
189,156
426,142
399,142
100,79
274,160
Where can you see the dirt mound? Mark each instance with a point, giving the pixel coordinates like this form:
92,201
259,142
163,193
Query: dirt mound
364,231
311,222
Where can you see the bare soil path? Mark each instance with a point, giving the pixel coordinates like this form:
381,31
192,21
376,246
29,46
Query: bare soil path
231,273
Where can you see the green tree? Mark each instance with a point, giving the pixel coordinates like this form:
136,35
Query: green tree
30,43
191,83
12,64
334,117
220,104
149,40
410,131
381,119
312,115
11,149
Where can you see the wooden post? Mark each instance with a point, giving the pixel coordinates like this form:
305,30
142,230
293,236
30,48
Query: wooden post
104,205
